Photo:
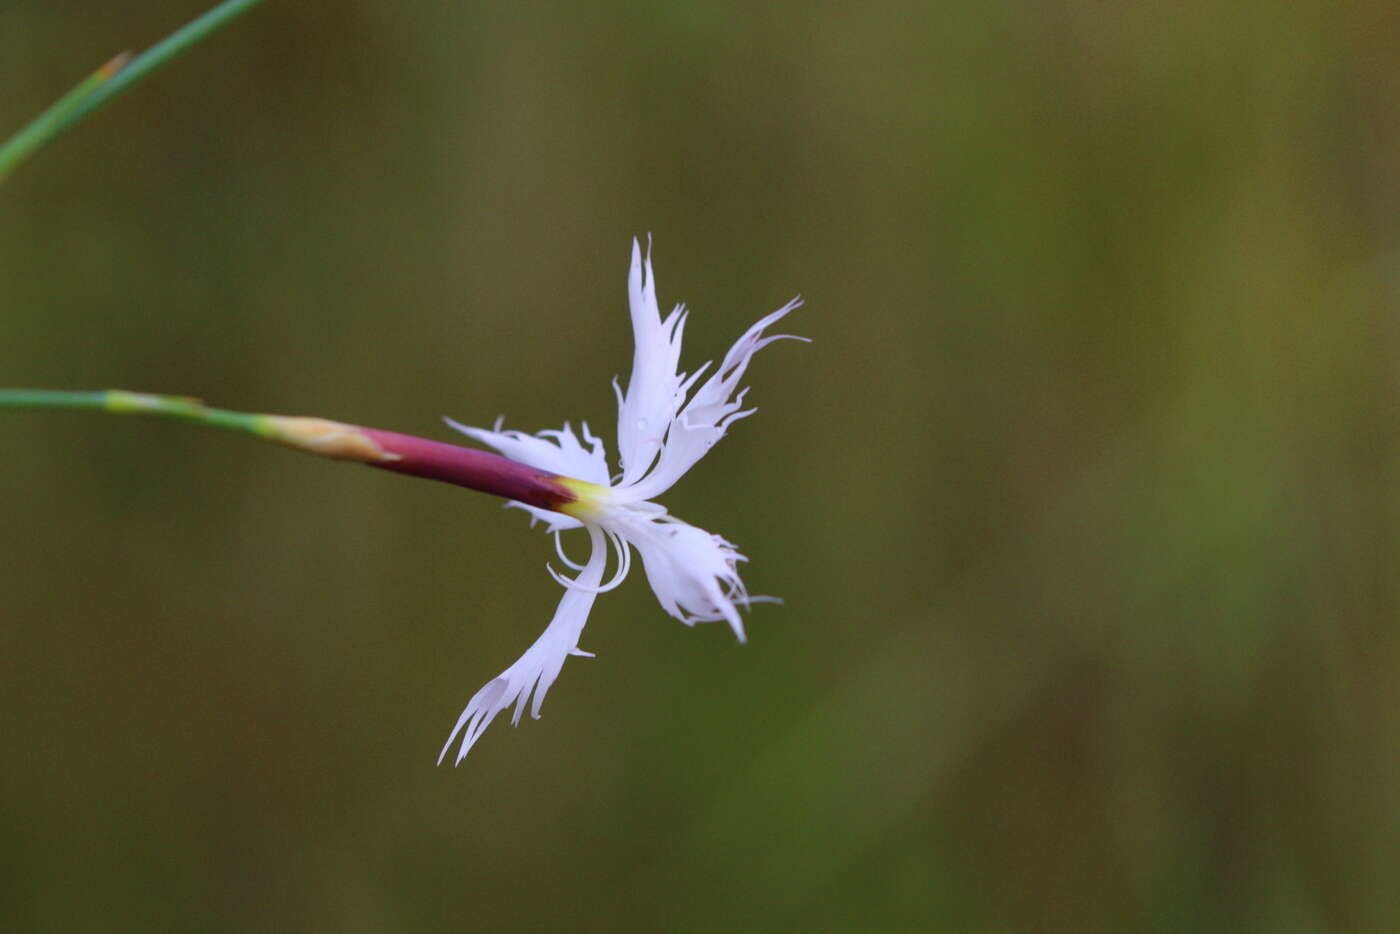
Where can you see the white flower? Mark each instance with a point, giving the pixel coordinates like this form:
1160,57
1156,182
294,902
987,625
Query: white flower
666,421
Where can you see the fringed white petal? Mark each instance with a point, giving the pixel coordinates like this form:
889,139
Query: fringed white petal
557,451
693,573
646,410
702,421
536,670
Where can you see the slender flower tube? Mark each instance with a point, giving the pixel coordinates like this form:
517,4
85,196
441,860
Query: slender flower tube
667,421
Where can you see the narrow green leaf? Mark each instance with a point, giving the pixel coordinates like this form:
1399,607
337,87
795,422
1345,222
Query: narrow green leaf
110,80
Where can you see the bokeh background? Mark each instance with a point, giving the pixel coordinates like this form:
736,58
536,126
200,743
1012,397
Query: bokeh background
1085,501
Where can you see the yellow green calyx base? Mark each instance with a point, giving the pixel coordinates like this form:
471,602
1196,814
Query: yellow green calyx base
591,500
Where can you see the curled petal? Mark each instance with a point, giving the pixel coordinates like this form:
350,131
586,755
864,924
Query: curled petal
624,565
535,671
554,522
559,550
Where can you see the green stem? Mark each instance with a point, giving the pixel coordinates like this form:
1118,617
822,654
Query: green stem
119,402
110,80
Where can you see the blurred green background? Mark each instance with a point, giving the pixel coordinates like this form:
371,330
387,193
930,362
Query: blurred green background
1085,502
